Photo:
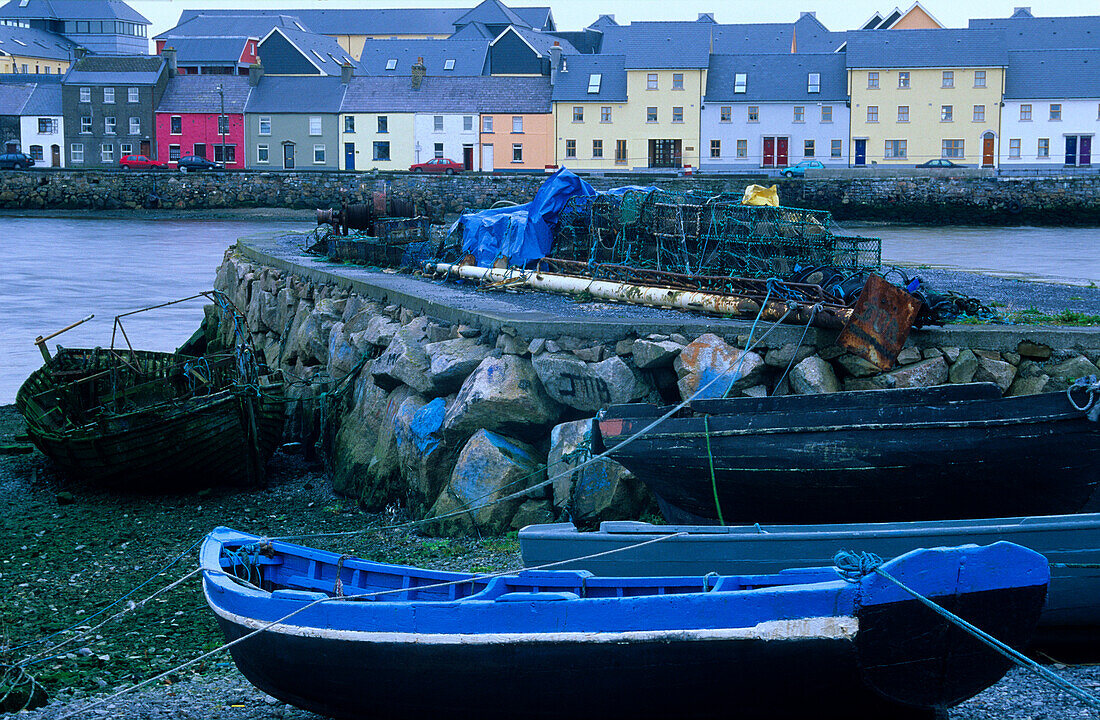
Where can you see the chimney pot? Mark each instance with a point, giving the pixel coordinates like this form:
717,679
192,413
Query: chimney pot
255,72
346,71
418,73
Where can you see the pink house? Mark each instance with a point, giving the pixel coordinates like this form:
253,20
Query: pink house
203,115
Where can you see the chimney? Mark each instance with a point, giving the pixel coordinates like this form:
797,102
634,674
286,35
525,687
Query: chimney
169,55
555,61
255,72
418,73
346,71
79,53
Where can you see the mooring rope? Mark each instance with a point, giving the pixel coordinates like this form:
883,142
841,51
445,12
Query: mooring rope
710,461
853,566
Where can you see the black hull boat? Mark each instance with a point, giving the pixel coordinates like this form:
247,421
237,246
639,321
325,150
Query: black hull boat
937,453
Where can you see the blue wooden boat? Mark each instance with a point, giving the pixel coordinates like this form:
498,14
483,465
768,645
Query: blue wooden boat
552,644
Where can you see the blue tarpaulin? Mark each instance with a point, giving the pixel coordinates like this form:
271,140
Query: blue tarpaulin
521,233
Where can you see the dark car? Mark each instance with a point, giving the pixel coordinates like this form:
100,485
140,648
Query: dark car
15,161
127,162
940,163
439,165
194,163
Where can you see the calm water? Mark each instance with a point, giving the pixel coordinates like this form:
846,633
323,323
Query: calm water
54,271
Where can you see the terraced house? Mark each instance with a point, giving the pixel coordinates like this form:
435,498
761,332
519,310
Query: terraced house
291,122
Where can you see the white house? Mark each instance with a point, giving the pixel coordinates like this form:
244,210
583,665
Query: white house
42,126
772,111
448,135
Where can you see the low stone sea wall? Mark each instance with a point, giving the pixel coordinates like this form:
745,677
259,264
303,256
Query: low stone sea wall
438,417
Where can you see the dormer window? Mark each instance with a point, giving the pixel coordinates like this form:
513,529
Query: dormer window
740,82
594,83
813,83
391,64
449,64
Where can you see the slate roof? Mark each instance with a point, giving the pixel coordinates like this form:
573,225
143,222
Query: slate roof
1025,32
473,31
400,21
321,50
296,94
1052,74
572,85
199,94
207,50
491,12
542,42
72,10
449,95
777,78
539,18
926,48
654,45
115,70
245,25
35,43
807,34
45,99
13,96
470,56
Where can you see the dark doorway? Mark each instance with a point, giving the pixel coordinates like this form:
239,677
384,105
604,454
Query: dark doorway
200,150
288,156
55,156
349,156
665,153
987,150
861,152
145,148
467,157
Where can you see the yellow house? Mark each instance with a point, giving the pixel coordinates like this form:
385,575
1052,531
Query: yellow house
33,51
921,95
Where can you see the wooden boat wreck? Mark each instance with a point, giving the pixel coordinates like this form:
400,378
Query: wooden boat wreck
351,638
940,453
152,421
1071,543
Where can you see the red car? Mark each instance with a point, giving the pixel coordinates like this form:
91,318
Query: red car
438,165
127,162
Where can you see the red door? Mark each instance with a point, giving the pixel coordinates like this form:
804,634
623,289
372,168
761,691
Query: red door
769,151
781,152
987,151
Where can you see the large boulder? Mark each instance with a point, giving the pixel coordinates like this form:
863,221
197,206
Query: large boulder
343,356
502,394
651,354
601,490
490,467
1063,374
813,376
355,441
995,371
404,361
788,355
379,330
925,373
711,365
588,386
426,460
964,367
451,361
382,484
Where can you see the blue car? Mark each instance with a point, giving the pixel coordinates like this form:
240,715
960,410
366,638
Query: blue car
799,169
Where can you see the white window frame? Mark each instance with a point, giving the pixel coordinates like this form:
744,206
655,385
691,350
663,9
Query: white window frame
108,96
517,152
110,125
263,154
85,94
174,150
86,125
319,149
316,126
486,123
1014,145
133,95
107,152
813,82
740,83
135,126
517,124
437,123
76,153
264,122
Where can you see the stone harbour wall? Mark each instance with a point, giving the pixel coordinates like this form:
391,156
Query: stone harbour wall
941,199
438,417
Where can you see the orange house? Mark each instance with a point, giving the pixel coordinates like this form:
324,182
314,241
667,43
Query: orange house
517,141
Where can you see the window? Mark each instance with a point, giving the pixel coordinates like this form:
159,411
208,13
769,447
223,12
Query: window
1014,148
725,114
174,152
108,126
318,154
265,126
952,149
578,114
826,113
979,78
315,125
903,113
86,125
107,152
449,64
383,124
754,113
382,150
597,148
605,114
872,113
438,150
677,114
651,81
437,123
36,152
467,123
108,95
813,83
1044,148
76,153
176,125
1025,112
948,80
85,94
349,123
742,148
895,149
517,123
799,113
262,155
517,152
391,64
1055,111
131,94
47,126
740,82
620,151
125,148
570,148
594,83
716,148
979,113
225,153
487,124
677,81
947,113
903,80
135,126
872,81
808,148
835,148
651,114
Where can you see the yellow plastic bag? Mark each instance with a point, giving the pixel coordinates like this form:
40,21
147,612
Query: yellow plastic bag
760,195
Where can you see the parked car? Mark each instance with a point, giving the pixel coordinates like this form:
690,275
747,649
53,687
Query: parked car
940,163
799,168
439,165
128,162
15,161
194,163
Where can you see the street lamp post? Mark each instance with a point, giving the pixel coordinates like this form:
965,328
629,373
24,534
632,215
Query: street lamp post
222,122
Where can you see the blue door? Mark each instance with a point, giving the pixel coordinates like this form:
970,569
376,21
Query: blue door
861,152
349,156
1071,150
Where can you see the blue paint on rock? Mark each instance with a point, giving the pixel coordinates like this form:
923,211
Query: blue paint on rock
427,421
